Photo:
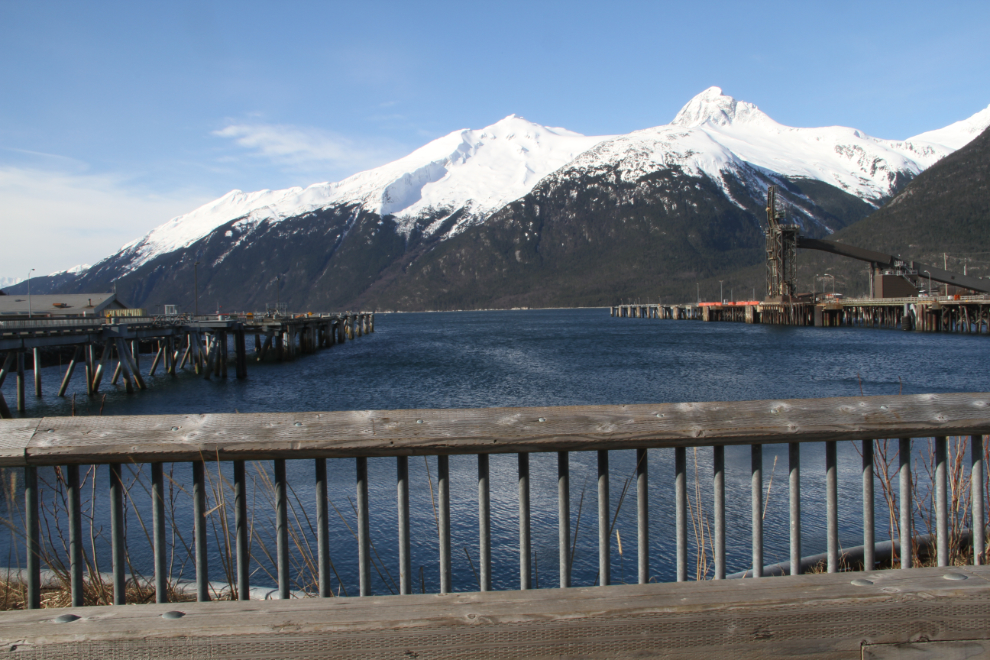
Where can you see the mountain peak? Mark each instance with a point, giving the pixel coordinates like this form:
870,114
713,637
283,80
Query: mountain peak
713,107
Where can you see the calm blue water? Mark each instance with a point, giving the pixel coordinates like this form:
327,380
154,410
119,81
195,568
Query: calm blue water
529,358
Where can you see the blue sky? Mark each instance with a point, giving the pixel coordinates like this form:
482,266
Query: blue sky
115,117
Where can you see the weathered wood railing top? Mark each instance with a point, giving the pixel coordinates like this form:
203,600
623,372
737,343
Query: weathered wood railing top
115,439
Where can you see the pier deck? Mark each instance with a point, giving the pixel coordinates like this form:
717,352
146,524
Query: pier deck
960,314
202,342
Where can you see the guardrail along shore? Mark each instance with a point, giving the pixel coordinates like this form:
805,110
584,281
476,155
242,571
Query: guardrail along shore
355,436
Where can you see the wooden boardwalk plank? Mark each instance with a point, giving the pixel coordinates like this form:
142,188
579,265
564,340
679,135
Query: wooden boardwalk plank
496,430
823,615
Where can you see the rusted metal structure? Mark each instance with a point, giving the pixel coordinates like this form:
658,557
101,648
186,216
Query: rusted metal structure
781,251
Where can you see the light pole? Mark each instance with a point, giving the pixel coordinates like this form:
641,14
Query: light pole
278,287
721,296
29,292
698,284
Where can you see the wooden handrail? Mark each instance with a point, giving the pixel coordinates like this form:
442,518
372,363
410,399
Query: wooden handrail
259,436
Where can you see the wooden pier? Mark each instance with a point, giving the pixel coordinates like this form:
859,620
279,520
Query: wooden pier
957,314
114,345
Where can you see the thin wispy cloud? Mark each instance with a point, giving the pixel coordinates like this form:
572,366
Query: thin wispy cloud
308,148
60,219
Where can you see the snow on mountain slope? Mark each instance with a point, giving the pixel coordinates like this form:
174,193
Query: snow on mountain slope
75,270
714,134
956,135
479,169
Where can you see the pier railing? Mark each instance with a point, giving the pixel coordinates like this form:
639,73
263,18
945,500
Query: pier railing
358,435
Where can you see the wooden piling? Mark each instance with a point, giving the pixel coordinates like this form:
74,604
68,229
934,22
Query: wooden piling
36,367
20,381
76,356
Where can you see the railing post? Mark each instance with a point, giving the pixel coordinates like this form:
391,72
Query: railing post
158,527
869,529
832,506
525,561
976,485
604,560
718,490
564,517
402,499
117,534
75,534
363,528
484,525
756,498
794,487
642,515
680,510
243,546
199,531
904,491
443,492
33,538
941,503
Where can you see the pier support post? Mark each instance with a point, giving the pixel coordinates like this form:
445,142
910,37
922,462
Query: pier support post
20,381
68,372
240,347
36,366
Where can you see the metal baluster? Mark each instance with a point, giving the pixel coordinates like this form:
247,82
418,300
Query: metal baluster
718,489
443,491
525,581
832,506
281,529
75,534
402,499
869,528
904,485
199,531
680,510
158,527
941,503
976,492
117,534
756,497
604,562
564,517
363,528
33,538
243,547
642,516
484,524
794,463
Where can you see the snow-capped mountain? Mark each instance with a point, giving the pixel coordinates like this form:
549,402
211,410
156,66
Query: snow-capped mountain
715,134
477,171
420,228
